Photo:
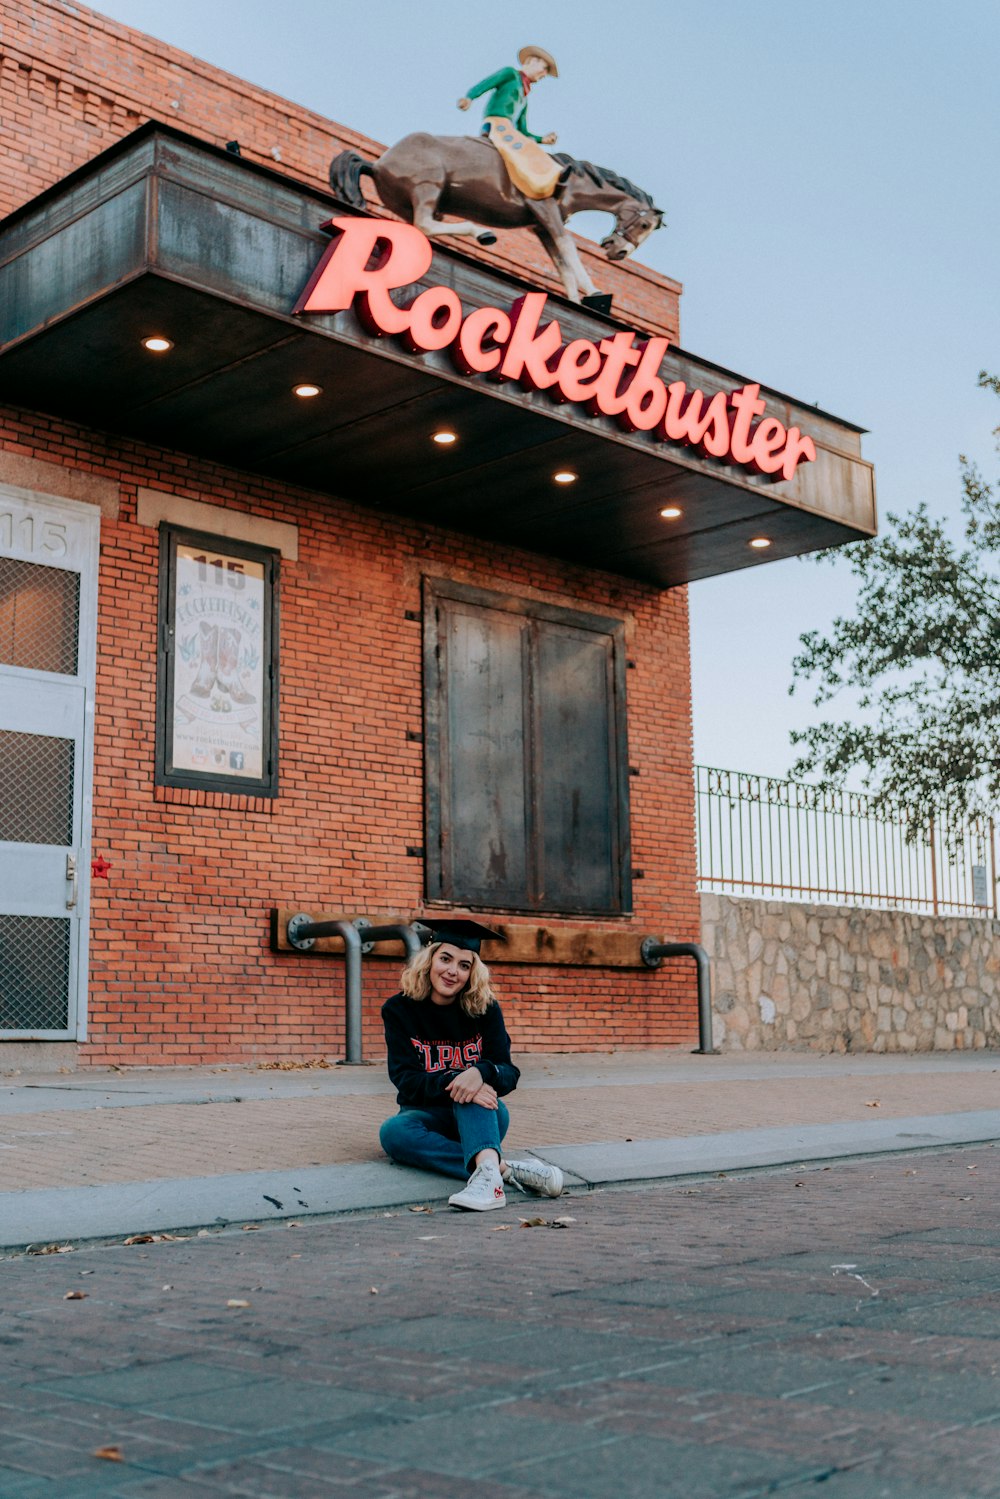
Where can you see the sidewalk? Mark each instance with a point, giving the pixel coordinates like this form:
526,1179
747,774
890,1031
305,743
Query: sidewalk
98,1154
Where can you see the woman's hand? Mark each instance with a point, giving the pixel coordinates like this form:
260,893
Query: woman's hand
550,139
464,1087
464,103
486,1097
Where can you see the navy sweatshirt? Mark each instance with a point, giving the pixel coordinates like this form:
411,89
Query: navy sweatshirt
430,1044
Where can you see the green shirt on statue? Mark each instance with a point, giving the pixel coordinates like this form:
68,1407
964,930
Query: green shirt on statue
509,99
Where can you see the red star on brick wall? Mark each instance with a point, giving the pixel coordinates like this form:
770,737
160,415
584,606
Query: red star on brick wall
99,867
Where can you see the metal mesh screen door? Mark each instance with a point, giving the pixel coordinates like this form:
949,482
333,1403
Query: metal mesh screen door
39,616
48,559
36,808
35,958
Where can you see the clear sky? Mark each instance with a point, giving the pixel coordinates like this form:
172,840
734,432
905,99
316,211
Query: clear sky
830,175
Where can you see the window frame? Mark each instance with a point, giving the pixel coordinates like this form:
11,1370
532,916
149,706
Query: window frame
440,886
165,773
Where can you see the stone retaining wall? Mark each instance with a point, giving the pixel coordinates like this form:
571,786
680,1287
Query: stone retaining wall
833,978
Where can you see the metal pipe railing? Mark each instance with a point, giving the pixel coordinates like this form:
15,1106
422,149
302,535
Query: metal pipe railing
654,952
358,937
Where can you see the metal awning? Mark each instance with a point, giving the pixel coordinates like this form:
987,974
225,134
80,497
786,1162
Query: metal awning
163,234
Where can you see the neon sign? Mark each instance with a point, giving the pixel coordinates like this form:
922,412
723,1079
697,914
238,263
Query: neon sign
617,377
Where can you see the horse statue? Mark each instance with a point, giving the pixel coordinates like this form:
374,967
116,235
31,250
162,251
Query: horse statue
423,177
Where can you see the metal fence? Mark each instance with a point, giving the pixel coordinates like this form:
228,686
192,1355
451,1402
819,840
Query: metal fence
776,839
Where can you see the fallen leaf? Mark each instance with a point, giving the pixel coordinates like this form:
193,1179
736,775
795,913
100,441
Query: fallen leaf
110,1454
166,1288
873,1103
373,1290
154,1238
562,1222
250,1228
502,1228
235,1302
426,1238
312,1064
800,1184
50,1249
970,1168
421,1210
292,1223
533,1222
76,1296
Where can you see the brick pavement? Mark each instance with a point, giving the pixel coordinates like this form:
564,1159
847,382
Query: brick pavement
563,1101
832,1329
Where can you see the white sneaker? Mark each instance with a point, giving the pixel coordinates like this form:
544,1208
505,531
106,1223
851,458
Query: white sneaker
484,1191
535,1176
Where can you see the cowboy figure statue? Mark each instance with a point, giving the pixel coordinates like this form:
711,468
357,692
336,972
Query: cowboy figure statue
505,122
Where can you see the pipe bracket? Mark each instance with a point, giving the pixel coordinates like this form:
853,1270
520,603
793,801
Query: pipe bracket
295,925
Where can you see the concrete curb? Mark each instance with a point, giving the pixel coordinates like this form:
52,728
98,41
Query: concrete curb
71,1213
68,1214
697,1155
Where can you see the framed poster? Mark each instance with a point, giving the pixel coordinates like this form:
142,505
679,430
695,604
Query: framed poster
217,715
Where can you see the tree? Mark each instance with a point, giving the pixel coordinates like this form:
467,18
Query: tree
923,655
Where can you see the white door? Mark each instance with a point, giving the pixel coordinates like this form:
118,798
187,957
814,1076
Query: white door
48,657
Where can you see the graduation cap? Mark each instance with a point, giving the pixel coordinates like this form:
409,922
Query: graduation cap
460,933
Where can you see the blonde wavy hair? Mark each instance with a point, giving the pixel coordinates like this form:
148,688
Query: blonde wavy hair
475,998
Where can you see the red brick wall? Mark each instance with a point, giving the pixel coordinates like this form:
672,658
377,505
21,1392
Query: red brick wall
180,967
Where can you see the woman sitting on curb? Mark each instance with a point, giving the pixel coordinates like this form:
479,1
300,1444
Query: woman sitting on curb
449,1059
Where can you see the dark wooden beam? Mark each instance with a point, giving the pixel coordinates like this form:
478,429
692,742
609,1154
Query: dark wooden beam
568,945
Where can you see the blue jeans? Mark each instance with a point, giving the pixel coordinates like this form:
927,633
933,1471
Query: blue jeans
445,1138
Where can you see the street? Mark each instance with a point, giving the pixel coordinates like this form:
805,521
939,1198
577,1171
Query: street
832,1329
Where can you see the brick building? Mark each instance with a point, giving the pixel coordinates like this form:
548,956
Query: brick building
265,652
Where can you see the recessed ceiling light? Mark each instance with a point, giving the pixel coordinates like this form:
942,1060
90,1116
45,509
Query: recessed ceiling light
305,392
157,344
565,476
760,542
671,512
444,438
